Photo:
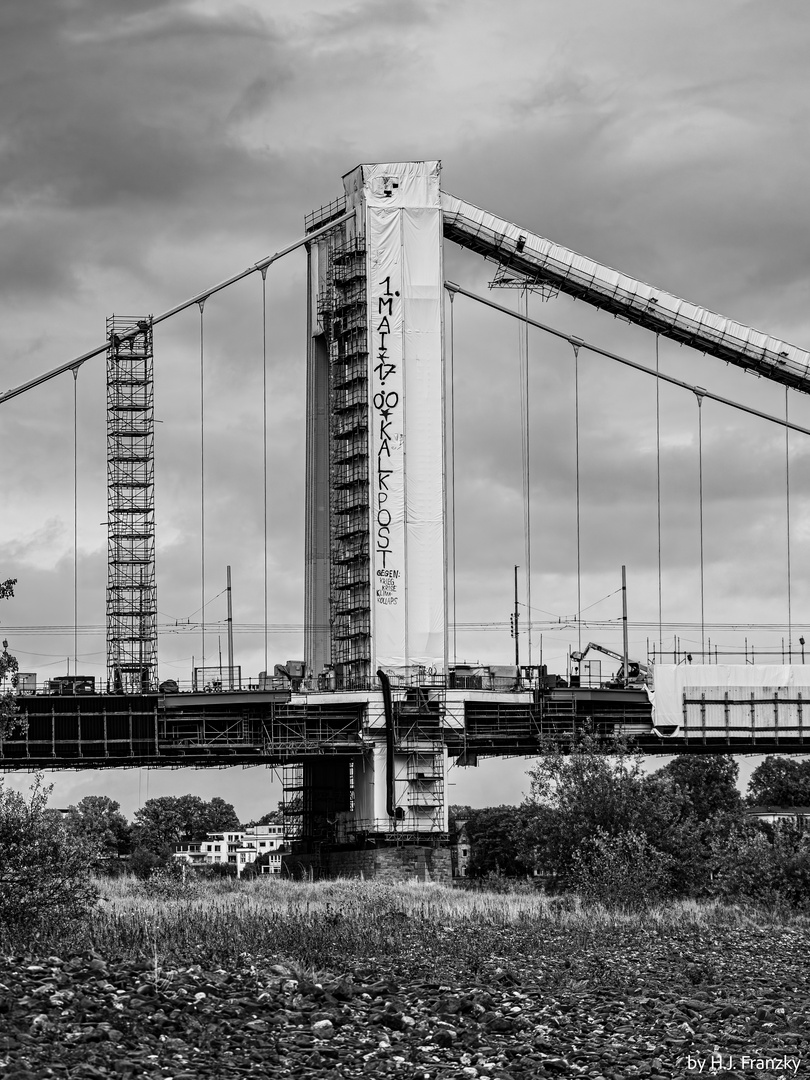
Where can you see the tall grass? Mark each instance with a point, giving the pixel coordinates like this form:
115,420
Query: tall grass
346,925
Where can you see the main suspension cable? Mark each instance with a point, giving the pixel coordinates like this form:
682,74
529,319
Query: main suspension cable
77,362
574,340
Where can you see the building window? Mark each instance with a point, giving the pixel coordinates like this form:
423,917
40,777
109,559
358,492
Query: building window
464,852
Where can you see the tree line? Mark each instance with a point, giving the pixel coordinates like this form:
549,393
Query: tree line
149,840
595,823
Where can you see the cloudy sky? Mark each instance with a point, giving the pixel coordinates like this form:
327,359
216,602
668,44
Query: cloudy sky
145,156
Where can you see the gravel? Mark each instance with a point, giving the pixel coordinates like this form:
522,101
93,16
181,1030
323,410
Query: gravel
624,1002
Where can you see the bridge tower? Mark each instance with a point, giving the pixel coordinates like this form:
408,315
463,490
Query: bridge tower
131,592
375,539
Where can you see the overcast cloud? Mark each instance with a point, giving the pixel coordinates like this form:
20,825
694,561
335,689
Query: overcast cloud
149,152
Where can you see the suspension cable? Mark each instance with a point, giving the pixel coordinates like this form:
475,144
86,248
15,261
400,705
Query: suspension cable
201,304
658,492
574,340
453,471
526,461
787,516
75,522
700,477
264,446
200,297
579,547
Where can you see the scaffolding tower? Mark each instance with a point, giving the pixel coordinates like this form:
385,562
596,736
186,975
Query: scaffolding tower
131,592
350,576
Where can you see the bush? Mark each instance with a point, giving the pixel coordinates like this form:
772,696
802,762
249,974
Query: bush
766,865
145,862
172,882
44,870
621,871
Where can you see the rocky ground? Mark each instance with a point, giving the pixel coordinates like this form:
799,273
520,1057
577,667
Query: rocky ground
655,1004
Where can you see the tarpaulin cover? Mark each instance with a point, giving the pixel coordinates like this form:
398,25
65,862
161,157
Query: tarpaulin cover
731,698
405,281
600,284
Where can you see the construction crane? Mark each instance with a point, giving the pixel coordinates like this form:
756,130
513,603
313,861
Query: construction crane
638,674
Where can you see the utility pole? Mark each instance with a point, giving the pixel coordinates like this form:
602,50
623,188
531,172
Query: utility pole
516,618
230,634
624,622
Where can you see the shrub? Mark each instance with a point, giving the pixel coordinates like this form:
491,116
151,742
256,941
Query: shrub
44,869
172,882
766,865
621,871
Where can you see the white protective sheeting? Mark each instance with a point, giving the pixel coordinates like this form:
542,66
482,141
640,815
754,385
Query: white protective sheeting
641,303
734,699
403,225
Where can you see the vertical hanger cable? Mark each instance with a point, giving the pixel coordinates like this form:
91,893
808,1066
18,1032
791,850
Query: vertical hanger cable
523,330
787,510
658,495
264,445
75,522
700,478
579,546
201,304
453,469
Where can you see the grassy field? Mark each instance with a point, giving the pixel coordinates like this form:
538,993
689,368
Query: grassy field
347,979
338,925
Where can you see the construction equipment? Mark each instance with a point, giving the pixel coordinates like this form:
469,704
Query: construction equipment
638,674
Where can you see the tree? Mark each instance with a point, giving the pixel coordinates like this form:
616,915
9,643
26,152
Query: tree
494,834
592,787
780,781
272,817
98,820
44,868
221,816
163,822
709,780
597,792
9,719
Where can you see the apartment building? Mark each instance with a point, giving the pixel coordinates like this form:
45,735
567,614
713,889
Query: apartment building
238,848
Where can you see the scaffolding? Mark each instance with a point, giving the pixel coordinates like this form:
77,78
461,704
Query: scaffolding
131,591
318,796
344,312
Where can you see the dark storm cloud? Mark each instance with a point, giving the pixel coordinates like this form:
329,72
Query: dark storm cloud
127,108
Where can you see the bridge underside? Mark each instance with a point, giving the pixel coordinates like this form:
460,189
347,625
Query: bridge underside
276,728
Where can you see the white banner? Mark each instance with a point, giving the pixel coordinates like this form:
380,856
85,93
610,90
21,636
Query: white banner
406,451
386,438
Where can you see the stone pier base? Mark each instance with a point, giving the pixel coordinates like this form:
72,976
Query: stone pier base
410,863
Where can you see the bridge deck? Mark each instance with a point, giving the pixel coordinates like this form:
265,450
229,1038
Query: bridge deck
274,728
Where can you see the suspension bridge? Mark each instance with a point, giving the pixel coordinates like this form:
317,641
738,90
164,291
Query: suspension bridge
365,724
